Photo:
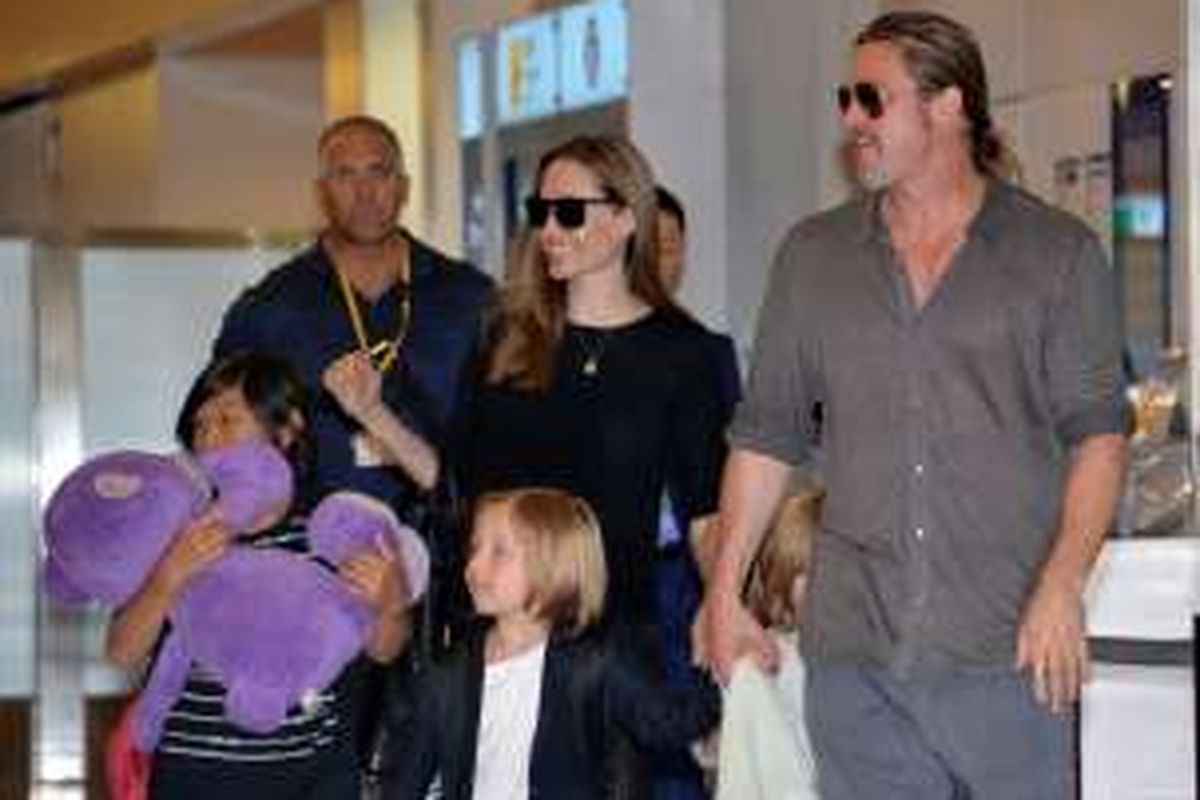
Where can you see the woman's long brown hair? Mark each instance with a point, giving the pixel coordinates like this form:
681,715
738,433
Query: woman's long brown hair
532,312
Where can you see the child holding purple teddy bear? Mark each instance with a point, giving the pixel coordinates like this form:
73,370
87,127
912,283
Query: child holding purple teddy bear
201,754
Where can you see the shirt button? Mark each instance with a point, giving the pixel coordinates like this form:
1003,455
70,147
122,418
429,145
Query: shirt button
919,469
920,532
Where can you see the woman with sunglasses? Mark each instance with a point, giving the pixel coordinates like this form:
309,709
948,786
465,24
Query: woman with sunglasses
592,379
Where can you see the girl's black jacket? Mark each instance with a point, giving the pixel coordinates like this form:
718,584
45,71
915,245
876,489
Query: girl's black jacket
591,690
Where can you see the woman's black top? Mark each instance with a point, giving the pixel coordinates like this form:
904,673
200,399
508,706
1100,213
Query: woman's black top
633,411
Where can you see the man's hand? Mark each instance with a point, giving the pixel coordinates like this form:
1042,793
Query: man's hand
1052,642
724,631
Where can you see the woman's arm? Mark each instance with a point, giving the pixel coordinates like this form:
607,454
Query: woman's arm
134,628
696,448
655,714
357,386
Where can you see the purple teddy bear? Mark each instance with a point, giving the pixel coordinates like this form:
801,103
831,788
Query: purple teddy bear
275,627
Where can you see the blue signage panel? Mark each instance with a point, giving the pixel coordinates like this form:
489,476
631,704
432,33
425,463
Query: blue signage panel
527,69
593,53
469,58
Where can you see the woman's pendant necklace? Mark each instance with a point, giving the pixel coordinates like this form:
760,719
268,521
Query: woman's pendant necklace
593,346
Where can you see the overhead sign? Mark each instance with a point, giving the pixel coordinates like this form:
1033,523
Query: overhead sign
565,59
593,53
526,74
469,59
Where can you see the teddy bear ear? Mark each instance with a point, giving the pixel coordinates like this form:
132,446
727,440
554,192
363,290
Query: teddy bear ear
346,523
415,556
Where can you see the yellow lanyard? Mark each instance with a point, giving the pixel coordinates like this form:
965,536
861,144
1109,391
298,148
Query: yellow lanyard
383,353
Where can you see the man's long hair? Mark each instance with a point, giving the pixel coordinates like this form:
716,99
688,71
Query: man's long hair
941,53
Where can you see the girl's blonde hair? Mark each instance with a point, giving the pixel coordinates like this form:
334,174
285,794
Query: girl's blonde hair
785,555
532,313
564,554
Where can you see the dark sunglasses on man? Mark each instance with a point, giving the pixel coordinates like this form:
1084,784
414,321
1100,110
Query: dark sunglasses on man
866,96
569,212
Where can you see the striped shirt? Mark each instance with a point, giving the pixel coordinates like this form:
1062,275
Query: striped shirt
196,726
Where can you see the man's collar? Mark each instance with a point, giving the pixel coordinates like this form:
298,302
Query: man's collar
985,223
421,260
870,226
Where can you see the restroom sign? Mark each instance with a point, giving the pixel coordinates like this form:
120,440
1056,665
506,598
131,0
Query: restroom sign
573,57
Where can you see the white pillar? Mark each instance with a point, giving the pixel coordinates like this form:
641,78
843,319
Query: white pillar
392,56
678,109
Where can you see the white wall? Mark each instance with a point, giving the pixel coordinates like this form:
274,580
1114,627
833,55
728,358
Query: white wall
149,317
783,60
678,109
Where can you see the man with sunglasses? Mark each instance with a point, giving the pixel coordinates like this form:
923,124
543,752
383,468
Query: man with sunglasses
368,297
962,340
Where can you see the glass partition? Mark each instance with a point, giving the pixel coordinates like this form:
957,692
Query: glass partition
18,595
18,566
149,316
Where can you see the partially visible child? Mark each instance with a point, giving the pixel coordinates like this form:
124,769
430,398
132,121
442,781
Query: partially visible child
528,704
200,754
779,574
763,750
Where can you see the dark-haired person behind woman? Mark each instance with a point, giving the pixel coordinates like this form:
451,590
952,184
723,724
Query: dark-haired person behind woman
242,397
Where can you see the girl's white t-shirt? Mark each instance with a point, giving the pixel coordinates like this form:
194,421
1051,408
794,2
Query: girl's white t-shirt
508,714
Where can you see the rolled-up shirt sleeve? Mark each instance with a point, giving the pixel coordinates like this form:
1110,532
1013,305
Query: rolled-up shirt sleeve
774,417
1083,350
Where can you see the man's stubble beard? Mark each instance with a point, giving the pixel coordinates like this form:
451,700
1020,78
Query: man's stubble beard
873,178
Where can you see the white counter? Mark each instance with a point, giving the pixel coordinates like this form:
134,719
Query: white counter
1138,726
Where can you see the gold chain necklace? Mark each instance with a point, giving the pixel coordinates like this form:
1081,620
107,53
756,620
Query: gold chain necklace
383,353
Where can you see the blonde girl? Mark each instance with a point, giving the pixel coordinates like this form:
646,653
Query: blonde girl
527,704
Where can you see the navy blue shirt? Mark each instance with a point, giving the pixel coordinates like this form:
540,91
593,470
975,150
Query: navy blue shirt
297,312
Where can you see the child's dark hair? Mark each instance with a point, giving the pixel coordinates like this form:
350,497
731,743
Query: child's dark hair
668,203
272,390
